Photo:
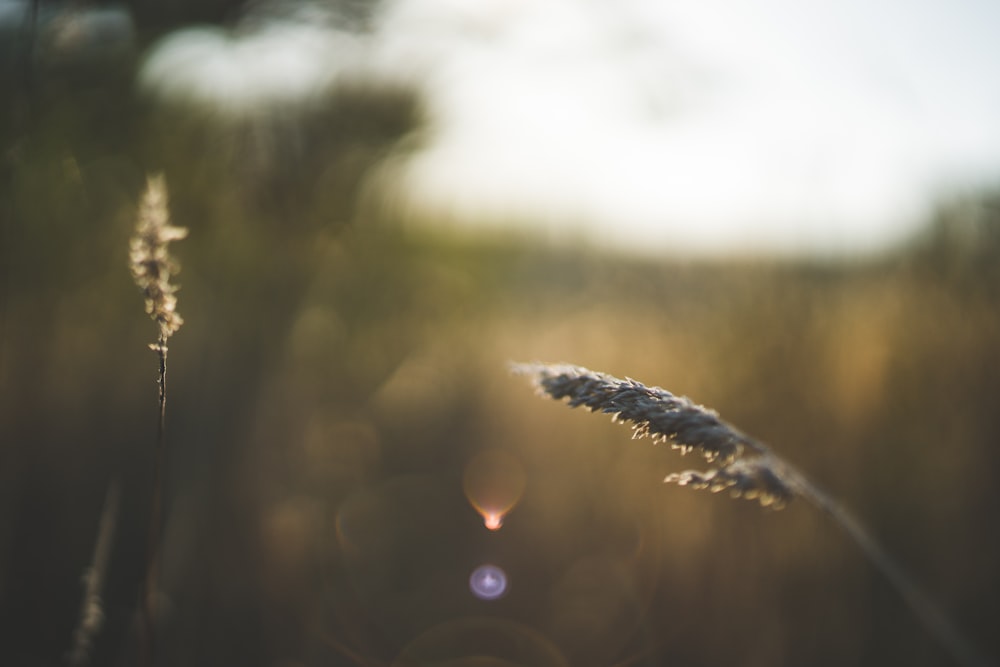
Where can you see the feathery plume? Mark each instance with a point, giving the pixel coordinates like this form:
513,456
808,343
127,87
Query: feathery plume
150,261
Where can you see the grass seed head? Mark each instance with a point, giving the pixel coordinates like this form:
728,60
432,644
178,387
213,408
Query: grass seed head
150,261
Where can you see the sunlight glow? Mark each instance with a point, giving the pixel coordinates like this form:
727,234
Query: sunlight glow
493,482
493,520
698,126
686,127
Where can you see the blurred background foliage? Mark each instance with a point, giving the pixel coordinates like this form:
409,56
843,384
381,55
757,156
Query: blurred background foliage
338,371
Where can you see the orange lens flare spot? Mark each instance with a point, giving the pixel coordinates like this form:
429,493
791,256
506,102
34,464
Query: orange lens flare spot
493,520
493,482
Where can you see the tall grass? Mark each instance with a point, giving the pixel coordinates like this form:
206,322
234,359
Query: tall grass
152,268
91,607
743,465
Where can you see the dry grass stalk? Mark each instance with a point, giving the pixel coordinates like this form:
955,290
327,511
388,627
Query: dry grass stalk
152,267
744,466
91,609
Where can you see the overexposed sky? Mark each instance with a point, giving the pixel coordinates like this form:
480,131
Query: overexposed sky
705,126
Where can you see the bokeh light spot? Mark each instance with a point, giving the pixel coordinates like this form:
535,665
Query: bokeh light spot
488,582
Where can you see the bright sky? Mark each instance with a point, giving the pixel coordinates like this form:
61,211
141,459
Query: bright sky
700,126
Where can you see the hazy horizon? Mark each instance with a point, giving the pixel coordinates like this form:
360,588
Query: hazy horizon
701,128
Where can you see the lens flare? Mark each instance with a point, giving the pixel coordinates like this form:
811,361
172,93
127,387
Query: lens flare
493,482
488,582
493,520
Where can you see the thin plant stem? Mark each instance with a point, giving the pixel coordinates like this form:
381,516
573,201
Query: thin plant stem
926,610
150,584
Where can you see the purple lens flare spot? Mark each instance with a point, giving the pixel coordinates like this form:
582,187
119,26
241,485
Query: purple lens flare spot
488,582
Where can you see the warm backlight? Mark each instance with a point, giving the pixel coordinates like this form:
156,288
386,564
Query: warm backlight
493,482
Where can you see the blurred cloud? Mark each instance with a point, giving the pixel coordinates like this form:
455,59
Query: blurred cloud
685,127
260,70
699,126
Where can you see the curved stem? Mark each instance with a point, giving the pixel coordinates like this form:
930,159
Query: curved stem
929,613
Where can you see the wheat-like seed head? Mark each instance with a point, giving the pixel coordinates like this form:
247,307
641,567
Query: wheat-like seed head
150,261
759,477
687,426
